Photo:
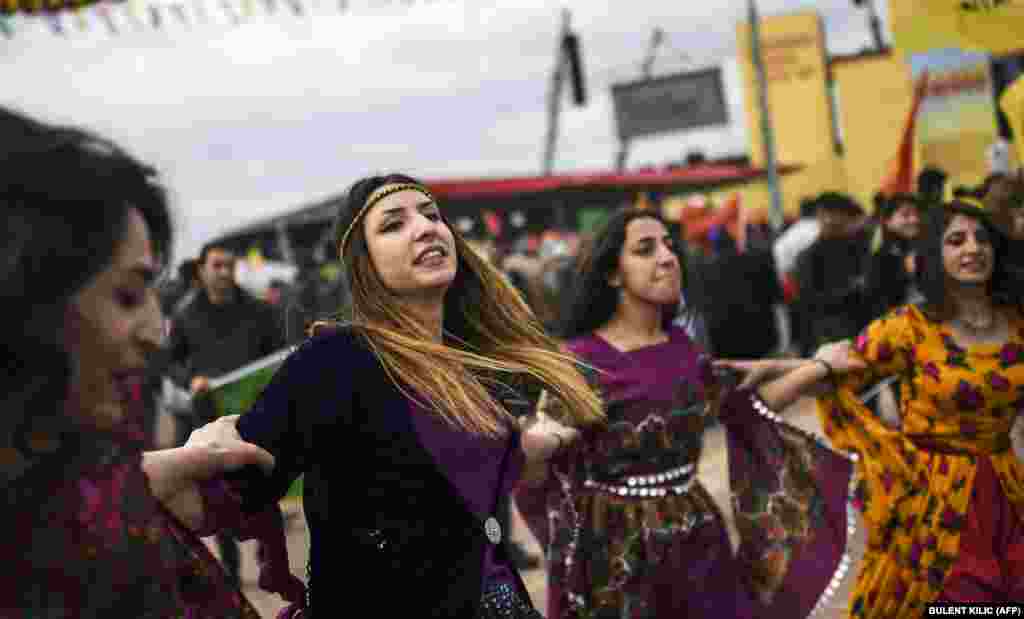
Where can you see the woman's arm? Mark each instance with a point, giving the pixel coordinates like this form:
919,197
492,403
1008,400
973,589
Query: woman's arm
781,392
799,377
175,475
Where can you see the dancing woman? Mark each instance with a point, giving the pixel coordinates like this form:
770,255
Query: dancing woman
628,528
92,526
403,420
941,489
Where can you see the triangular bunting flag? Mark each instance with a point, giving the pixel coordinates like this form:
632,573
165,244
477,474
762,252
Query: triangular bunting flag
134,9
107,17
230,10
296,6
154,16
247,8
6,27
342,5
179,11
271,7
81,19
200,11
55,23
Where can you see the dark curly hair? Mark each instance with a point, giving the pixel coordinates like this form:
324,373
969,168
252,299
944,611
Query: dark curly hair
65,195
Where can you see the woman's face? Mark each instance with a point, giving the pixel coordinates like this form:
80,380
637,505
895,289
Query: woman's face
967,252
648,265
116,324
905,222
410,246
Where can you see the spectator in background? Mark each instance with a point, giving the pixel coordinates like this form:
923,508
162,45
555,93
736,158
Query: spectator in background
736,298
800,235
221,330
830,273
796,238
177,293
888,283
931,186
1003,196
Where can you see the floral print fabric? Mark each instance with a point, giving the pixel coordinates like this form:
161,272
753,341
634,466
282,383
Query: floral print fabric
915,482
85,537
661,555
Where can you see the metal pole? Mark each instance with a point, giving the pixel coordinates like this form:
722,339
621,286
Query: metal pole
775,214
646,69
555,99
876,25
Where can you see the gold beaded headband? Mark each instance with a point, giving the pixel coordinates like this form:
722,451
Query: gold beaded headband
377,196
971,201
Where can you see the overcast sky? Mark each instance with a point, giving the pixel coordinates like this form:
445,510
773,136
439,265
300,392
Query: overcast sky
252,120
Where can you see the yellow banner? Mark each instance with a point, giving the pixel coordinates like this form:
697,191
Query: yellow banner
1012,102
995,26
956,124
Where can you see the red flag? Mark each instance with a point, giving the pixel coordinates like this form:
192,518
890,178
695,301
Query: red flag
900,178
493,223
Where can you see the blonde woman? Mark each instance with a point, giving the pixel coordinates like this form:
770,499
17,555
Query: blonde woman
404,421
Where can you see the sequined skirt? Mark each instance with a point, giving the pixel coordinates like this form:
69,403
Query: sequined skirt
503,600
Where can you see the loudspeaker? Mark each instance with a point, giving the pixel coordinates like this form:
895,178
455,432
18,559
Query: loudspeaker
571,49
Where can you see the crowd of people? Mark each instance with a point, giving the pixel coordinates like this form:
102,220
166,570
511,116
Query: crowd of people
437,386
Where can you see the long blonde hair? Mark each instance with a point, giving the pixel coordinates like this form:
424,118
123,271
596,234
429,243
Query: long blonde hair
490,336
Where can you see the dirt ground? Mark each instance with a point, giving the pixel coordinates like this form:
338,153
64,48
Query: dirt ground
713,473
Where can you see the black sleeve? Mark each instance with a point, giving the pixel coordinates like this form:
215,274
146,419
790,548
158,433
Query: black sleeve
820,296
178,352
305,389
273,328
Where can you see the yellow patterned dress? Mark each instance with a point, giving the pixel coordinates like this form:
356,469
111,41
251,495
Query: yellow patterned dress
916,481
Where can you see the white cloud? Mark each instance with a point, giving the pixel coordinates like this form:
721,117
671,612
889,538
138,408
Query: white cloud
253,120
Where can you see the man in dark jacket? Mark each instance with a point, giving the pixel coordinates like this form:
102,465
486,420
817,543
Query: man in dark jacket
888,283
738,292
830,273
220,330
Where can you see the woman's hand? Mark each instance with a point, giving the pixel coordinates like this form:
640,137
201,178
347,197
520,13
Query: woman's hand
758,371
543,437
216,448
839,357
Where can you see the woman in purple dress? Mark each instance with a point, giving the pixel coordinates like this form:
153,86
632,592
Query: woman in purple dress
629,530
403,420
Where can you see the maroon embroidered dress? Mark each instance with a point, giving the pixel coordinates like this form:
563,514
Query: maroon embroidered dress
85,537
631,532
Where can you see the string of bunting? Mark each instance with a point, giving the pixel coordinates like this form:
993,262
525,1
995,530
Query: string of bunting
65,17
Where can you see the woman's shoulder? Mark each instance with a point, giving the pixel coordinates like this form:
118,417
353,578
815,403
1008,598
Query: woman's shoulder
912,323
334,344
585,346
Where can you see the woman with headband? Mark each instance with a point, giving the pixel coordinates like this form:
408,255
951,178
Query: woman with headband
403,419
941,485
628,528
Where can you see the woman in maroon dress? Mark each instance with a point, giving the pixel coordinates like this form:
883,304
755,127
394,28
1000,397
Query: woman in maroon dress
92,526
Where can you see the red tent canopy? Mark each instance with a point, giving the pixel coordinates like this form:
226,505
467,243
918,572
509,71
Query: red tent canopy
693,175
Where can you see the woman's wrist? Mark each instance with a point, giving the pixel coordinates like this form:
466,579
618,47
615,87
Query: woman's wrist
827,367
560,444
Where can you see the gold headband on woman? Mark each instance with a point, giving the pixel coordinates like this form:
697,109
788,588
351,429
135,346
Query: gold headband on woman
971,201
375,197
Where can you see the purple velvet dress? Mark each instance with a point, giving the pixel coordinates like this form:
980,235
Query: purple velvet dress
473,464
631,532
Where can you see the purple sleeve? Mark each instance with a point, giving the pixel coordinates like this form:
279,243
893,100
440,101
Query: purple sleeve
222,509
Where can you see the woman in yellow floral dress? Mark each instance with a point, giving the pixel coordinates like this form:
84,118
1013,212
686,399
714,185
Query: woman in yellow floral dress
941,488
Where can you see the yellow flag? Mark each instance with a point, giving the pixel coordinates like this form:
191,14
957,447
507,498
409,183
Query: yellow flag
985,25
1012,102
